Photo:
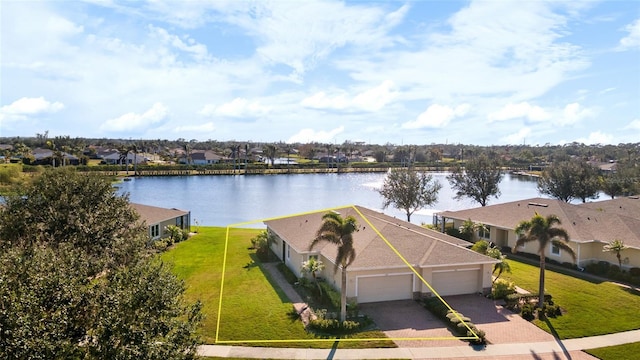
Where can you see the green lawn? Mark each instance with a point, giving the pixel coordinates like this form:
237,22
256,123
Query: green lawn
252,309
592,308
627,351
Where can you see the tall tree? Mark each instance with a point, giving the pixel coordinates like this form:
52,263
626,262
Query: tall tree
270,151
339,231
478,180
616,246
409,190
568,180
78,280
544,231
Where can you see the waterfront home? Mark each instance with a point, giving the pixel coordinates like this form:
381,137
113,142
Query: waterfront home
392,256
590,226
156,219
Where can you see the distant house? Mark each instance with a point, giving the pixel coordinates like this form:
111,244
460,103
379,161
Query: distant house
45,156
115,158
589,225
207,157
157,219
378,273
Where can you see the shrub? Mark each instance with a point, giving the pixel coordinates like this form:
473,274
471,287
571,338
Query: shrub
634,271
334,326
481,336
330,295
527,312
501,288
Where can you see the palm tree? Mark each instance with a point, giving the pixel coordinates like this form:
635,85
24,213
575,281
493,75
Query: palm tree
270,151
544,231
501,267
339,231
313,266
469,228
615,246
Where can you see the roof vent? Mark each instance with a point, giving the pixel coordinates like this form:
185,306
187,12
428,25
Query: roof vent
538,204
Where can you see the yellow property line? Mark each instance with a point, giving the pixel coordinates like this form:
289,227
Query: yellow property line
224,263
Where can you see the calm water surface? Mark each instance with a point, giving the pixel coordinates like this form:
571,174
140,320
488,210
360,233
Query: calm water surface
226,200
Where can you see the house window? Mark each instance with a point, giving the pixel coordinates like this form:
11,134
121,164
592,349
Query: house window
313,257
485,233
288,252
555,250
155,231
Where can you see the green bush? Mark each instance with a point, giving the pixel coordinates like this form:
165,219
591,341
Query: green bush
334,326
330,295
501,288
527,312
634,271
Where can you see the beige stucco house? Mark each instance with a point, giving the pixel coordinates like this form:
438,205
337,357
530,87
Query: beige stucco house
391,256
158,218
590,226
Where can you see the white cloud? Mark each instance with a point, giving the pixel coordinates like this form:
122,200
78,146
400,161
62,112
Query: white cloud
574,113
376,98
634,125
311,135
321,100
596,137
520,110
631,41
518,137
369,100
31,106
132,121
436,116
238,107
198,51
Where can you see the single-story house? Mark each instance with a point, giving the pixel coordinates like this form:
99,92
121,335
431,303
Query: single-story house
158,218
382,245
590,226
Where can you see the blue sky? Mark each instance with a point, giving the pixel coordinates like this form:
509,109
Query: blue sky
421,72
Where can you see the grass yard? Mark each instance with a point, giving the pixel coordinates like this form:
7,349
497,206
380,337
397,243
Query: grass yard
592,308
627,351
252,309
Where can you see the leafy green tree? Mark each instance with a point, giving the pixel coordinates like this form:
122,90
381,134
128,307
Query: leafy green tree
478,180
544,231
409,190
77,279
313,266
339,231
616,246
568,180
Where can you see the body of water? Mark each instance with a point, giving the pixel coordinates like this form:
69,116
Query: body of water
226,200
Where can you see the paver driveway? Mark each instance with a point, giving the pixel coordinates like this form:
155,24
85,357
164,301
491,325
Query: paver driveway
408,319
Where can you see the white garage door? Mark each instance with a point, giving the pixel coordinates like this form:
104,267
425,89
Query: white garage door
456,282
385,288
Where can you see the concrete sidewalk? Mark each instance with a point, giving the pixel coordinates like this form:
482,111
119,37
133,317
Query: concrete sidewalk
559,349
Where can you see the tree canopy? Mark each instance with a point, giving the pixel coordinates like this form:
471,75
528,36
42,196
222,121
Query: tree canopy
568,180
78,280
409,190
478,180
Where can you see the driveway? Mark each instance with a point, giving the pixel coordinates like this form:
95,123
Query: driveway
408,320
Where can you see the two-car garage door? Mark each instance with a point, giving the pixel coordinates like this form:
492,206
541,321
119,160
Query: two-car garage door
400,286
456,282
384,287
